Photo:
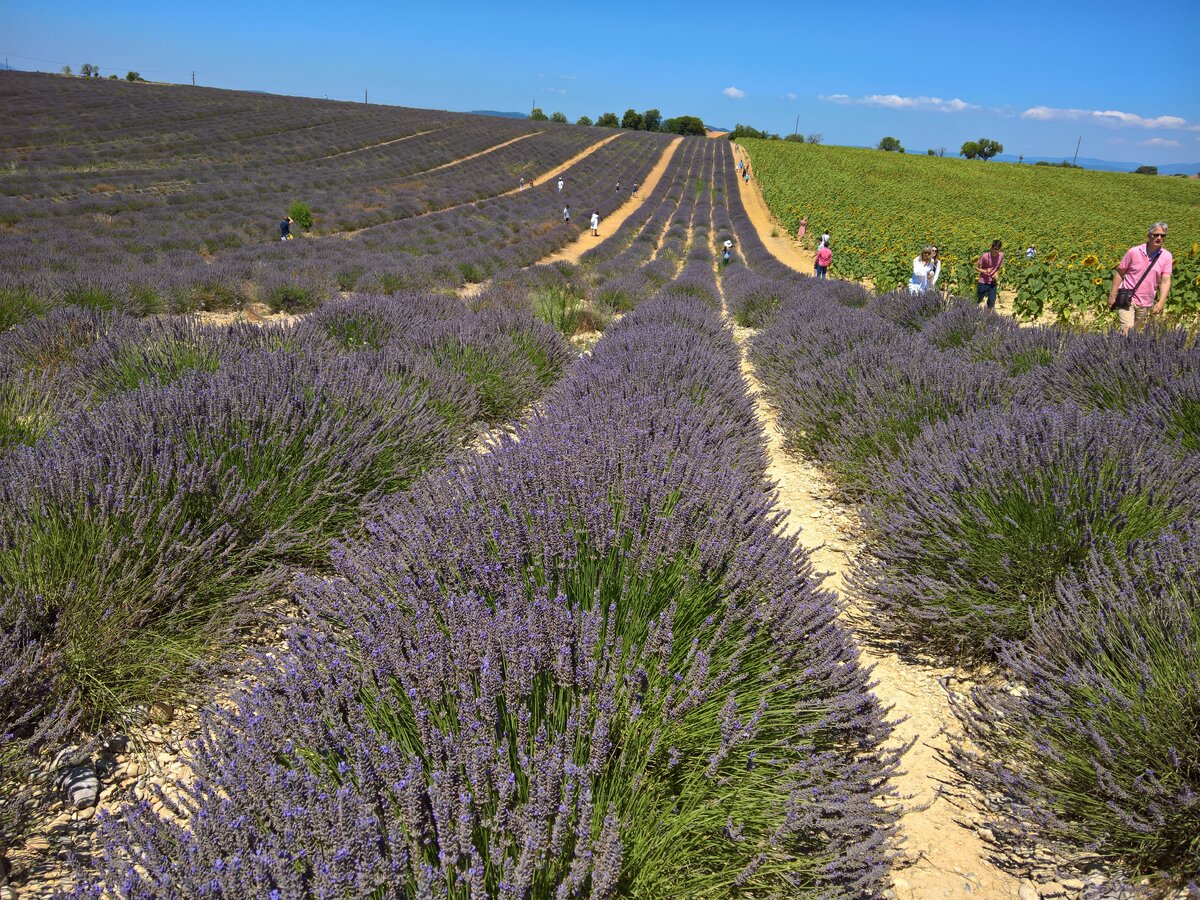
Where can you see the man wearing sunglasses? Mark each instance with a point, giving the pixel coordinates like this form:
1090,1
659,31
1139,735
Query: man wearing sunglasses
1144,271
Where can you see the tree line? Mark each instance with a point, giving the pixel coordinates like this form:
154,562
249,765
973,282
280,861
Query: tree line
650,120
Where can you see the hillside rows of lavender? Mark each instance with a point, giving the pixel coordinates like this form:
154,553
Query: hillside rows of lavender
473,614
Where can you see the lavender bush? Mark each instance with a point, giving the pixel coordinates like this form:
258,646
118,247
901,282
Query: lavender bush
586,663
1173,409
1113,371
981,516
32,717
1098,749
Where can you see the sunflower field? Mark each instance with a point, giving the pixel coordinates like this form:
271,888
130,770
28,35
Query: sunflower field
882,207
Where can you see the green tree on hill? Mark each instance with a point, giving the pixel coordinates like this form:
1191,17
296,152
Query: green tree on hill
608,120
984,148
685,125
631,119
558,117
584,120
891,145
1146,170
652,120
538,116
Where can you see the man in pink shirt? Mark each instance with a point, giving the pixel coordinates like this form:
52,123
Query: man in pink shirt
988,268
1145,269
824,258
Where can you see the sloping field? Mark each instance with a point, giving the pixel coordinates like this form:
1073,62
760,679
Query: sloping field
882,207
408,597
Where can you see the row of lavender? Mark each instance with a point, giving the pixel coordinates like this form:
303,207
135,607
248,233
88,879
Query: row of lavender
158,477
435,251
1030,498
201,236
585,663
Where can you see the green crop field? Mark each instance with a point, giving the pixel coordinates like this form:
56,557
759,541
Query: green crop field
883,206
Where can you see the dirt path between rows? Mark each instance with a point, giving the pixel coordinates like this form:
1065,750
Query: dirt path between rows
407,137
942,852
611,225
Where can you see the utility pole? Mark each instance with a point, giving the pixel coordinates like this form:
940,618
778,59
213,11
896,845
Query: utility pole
796,130
1077,143
364,95
193,77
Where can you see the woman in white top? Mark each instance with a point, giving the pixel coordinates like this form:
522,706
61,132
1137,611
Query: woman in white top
936,261
922,270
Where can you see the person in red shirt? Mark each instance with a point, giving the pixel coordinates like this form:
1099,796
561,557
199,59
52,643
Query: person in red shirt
1145,269
824,258
988,268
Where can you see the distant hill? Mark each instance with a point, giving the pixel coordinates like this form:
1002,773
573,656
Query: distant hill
492,112
1107,165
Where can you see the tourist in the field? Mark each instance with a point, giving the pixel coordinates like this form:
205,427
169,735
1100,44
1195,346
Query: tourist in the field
1144,270
595,223
824,258
922,271
824,239
560,184
521,186
635,187
936,260
988,268
567,214
1031,251
285,229
802,230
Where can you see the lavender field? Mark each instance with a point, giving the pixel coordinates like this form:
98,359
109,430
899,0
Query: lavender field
412,597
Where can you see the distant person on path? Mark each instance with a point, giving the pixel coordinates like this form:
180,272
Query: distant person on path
595,223
521,186
285,229
824,239
726,250
1144,270
824,258
567,214
739,165
1031,251
802,230
922,271
635,187
560,184
936,260
988,268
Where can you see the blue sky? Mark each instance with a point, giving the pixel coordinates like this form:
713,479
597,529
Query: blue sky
1124,77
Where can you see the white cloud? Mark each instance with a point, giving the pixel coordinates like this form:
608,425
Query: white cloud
1160,142
895,101
1111,117
789,96
556,90
733,92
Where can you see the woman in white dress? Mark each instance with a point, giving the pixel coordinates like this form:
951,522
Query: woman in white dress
922,271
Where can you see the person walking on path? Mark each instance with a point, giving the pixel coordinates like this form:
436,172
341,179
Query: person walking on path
595,223
285,229
1144,270
802,230
521,186
824,239
988,268
560,184
824,258
635,187
567,214
922,271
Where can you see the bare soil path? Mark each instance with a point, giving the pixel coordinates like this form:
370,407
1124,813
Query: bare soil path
942,850
609,226
407,137
783,246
